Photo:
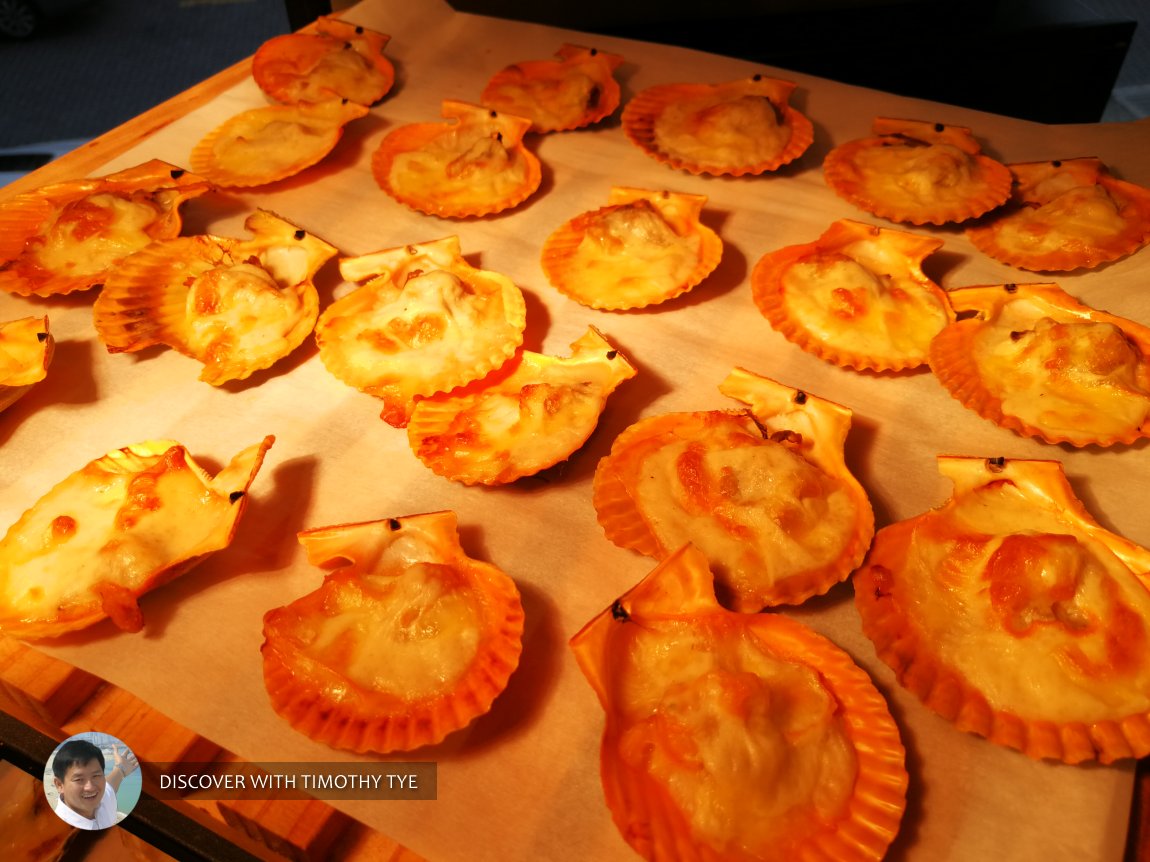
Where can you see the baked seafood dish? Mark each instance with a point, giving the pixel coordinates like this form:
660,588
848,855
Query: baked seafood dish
576,90
112,531
643,248
67,236
1033,359
763,492
335,60
406,641
423,321
736,736
734,128
856,296
26,348
918,172
265,145
236,305
1009,611
475,164
1064,215
527,416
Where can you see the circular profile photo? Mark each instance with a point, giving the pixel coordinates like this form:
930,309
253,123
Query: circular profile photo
92,780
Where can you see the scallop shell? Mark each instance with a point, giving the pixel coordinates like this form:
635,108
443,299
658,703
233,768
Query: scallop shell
643,248
337,60
1065,215
763,492
426,321
527,416
1039,362
1012,613
735,128
67,236
856,296
237,306
576,90
26,348
918,172
819,771
117,528
407,641
265,145
473,165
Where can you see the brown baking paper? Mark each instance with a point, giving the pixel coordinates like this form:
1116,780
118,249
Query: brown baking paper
522,782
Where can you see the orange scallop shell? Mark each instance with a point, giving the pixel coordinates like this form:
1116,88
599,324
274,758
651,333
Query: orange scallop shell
338,60
236,305
67,236
1065,215
119,527
1012,613
643,248
1035,360
719,129
265,145
407,641
918,172
820,771
26,348
764,492
576,90
530,414
473,165
856,297
426,321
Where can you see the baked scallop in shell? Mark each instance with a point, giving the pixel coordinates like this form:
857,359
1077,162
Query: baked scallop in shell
763,492
1033,359
734,128
117,528
423,321
643,248
856,296
268,144
26,348
918,172
530,414
406,641
333,60
236,305
730,736
475,164
67,236
1064,215
1009,611
576,90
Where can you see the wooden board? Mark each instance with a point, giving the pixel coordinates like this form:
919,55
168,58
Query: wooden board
522,782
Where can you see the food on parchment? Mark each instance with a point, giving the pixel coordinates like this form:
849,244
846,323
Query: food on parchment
26,348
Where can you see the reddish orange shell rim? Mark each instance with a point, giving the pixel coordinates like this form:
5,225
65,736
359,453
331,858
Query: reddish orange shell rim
843,177
407,139
640,114
952,361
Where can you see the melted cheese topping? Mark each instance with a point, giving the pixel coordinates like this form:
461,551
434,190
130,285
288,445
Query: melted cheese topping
342,70
722,132
1046,623
268,142
759,511
411,635
864,301
93,233
102,526
466,163
748,744
630,256
556,100
1077,215
934,176
23,349
1063,374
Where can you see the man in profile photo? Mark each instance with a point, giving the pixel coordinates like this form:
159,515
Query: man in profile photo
87,796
